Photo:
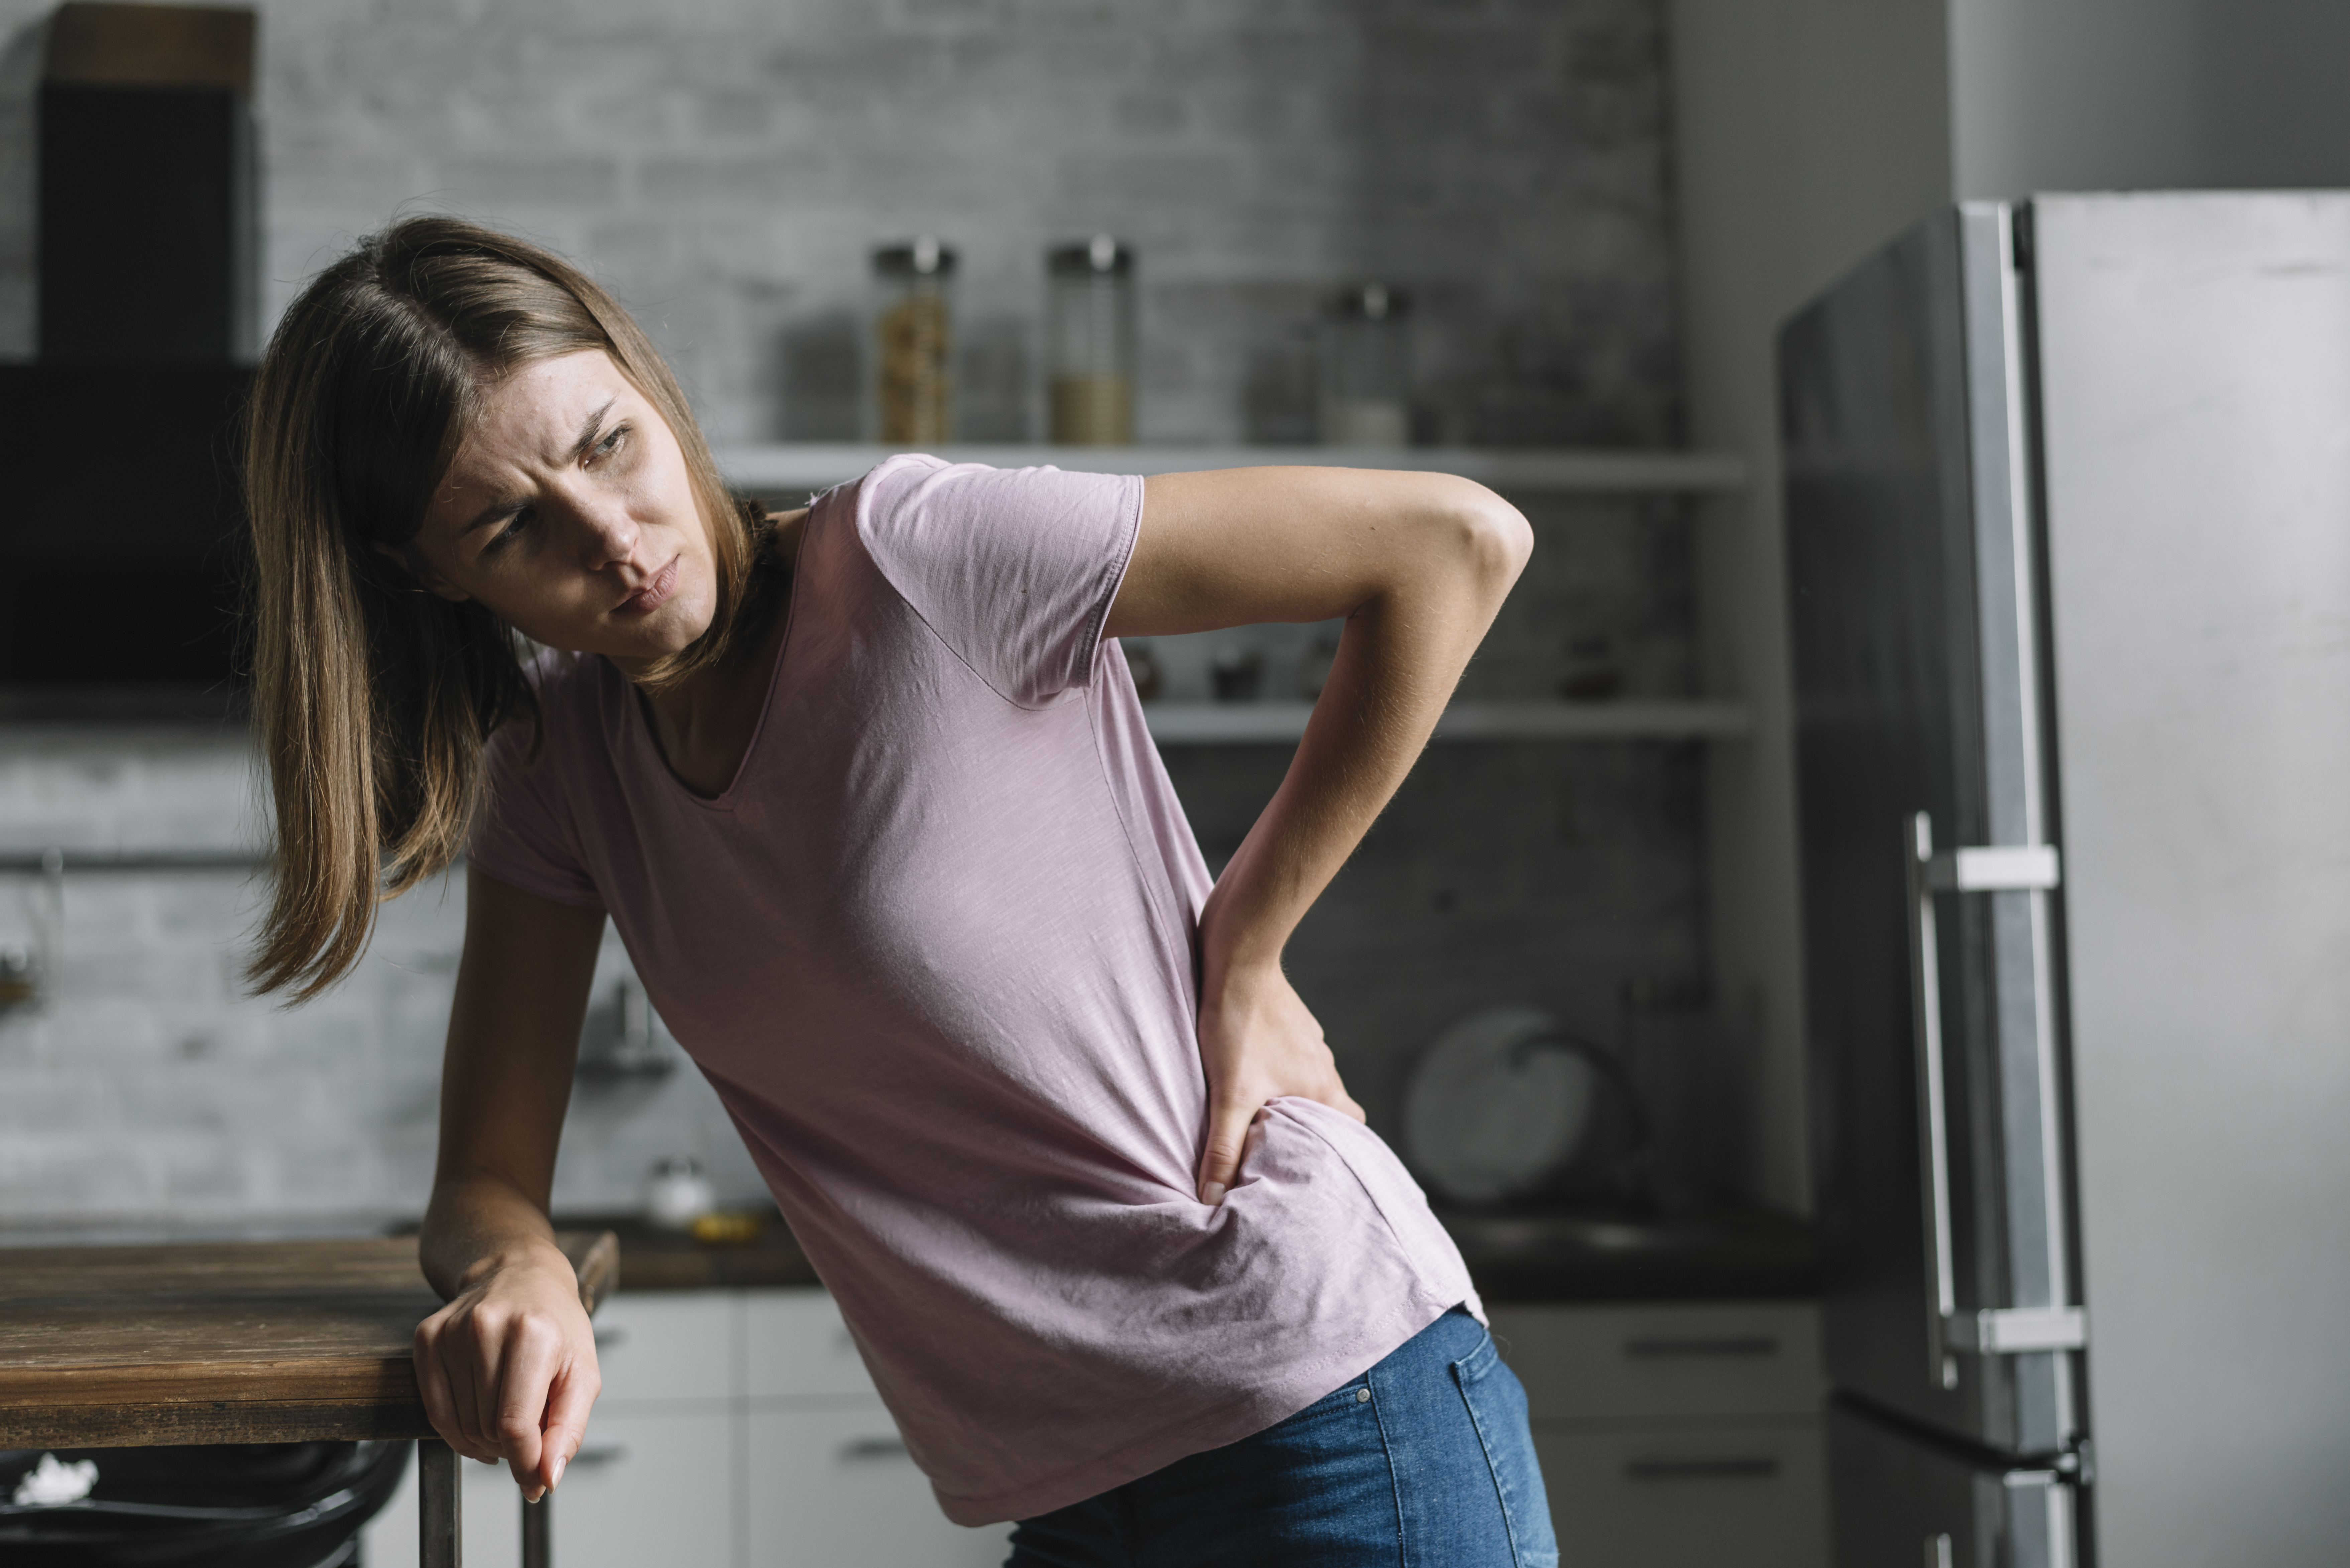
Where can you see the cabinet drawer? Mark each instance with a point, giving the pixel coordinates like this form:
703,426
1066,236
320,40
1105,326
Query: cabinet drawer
833,1488
668,1347
796,1346
1638,1363
1701,1497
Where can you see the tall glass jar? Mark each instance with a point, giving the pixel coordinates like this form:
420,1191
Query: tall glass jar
1367,367
1089,317
913,343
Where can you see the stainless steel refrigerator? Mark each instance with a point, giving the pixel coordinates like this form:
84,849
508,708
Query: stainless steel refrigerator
2068,524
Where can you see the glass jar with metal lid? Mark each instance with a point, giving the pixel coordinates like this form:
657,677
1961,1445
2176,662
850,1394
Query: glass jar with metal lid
1089,326
913,342
1367,367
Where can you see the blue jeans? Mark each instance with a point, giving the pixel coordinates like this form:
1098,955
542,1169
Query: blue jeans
1424,1461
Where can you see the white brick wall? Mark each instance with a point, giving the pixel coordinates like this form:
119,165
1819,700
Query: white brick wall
727,164
151,1084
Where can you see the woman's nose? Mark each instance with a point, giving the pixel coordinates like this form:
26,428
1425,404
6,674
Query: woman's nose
612,536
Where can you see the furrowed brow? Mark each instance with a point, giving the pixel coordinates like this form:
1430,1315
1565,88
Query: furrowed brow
587,430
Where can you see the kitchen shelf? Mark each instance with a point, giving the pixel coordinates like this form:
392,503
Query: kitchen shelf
1209,723
789,466
24,861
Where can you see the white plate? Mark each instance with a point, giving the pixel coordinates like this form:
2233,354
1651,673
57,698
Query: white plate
1484,1119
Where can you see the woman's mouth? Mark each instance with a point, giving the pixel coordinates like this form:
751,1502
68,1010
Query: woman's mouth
654,594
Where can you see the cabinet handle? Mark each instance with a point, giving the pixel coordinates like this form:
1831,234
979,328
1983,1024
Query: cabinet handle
889,1448
1749,1468
1757,1345
606,1454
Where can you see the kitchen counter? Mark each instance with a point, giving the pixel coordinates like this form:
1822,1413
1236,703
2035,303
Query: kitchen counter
1731,1254
1719,1255
656,1260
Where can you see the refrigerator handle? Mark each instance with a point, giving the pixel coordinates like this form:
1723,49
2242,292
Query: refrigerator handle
2011,1331
1925,1034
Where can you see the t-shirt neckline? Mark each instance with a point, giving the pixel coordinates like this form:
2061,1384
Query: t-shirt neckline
640,727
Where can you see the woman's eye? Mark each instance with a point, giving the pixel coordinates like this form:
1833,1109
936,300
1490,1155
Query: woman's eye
509,531
612,443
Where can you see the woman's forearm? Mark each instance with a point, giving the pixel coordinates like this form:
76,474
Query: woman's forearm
1399,660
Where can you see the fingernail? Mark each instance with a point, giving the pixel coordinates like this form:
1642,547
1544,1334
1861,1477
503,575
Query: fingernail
555,1478
534,1496
1212,1193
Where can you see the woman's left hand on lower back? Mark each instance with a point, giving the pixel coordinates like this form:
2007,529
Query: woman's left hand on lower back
1258,1041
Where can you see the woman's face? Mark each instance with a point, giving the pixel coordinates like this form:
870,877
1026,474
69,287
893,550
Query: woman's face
569,512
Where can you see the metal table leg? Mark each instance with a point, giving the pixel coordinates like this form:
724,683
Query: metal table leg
537,1531
440,1506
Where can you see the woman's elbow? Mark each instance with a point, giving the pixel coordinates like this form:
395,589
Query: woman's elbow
1494,540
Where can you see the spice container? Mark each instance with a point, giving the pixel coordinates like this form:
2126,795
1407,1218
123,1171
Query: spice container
31,926
1367,367
913,384
1089,322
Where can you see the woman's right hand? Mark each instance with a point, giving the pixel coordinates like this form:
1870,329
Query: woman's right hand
507,1369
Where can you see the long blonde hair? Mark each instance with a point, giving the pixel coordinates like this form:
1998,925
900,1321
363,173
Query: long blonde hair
372,697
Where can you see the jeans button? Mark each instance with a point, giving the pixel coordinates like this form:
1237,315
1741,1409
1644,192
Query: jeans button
1362,1395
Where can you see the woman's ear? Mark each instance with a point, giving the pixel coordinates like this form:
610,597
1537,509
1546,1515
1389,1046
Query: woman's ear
412,564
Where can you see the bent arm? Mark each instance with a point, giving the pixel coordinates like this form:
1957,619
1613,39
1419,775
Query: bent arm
507,1369
1418,564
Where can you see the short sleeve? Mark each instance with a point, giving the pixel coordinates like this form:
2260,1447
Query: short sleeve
1015,569
526,834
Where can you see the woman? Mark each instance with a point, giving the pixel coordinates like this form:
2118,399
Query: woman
868,791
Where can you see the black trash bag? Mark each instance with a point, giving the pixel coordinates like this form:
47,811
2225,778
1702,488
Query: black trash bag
254,1505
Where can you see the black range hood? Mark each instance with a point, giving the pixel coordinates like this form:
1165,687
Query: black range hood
124,525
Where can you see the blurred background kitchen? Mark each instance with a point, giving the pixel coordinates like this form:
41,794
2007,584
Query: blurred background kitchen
1545,243
730,172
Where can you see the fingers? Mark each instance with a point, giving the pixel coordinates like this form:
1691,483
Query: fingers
567,1404
527,1368
1220,1161
473,1378
433,1383
447,1377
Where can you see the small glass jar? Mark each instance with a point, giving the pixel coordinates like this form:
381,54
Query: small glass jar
1089,317
913,343
1367,367
32,930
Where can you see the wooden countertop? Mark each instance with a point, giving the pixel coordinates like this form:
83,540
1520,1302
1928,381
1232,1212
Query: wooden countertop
238,1342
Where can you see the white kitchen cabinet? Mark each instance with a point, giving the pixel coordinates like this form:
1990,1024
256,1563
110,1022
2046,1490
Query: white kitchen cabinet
832,1487
1677,1434
662,1347
1745,1494
736,1429
1664,1360
830,1483
796,1347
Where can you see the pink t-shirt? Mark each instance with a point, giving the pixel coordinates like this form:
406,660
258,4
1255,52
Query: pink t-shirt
934,949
